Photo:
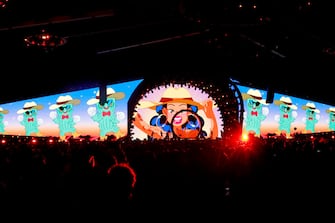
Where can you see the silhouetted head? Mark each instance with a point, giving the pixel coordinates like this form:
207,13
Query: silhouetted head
121,180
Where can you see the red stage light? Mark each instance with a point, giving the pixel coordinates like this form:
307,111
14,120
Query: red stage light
3,3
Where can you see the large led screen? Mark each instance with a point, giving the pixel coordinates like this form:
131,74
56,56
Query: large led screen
176,112
285,115
75,113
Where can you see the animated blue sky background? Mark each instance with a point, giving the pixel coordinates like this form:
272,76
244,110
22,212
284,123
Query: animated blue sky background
85,125
270,125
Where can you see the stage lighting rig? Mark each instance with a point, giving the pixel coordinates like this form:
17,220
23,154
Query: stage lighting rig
44,40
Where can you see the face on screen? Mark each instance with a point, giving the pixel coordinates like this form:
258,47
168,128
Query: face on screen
176,111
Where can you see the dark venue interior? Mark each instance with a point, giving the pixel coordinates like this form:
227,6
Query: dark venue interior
60,46
275,44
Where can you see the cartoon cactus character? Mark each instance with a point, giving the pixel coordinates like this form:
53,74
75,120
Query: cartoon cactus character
255,111
63,116
331,121
287,114
312,116
28,118
105,115
2,123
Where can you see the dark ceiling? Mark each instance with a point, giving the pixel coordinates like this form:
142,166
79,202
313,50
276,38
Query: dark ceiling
282,45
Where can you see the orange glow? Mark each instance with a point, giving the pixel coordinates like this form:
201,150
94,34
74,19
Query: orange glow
46,36
245,137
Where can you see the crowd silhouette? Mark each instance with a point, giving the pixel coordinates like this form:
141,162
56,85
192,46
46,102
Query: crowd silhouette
188,178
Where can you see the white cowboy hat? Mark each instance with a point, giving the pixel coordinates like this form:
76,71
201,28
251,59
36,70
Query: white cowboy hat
29,106
63,100
331,109
172,95
311,106
254,94
110,93
3,111
287,101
